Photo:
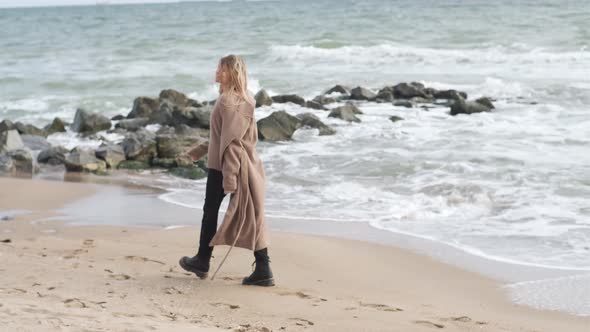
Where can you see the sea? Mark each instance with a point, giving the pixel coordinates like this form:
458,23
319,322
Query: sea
512,185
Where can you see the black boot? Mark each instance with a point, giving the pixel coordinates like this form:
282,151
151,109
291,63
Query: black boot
196,264
262,275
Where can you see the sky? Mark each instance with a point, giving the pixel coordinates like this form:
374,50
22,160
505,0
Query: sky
32,3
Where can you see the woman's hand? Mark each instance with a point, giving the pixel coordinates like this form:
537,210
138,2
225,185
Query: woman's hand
184,160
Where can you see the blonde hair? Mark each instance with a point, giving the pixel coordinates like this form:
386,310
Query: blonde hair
235,68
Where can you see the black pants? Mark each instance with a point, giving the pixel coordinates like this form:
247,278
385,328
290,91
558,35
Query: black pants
213,197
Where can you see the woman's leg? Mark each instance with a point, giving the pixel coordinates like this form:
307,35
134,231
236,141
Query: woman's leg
213,197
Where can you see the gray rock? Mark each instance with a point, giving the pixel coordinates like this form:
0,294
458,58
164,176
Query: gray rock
468,107
486,101
262,98
53,156
395,118
324,100
140,145
22,161
143,107
360,93
118,117
112,154
295,99
6,125
35,143
279,126
351,107
339,89
184,130
407,91
177,98
163,115
170,146
450,95
384,96
84,160
28,129
57,126
192,117
89,123
404,103
132,124
311,120
6,165
344,113
315,105
10,140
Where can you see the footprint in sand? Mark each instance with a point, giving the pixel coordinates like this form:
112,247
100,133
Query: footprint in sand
382,307
142,259
172,290
302,322
120,276
75,253
220,304
75,303
88,243
429,324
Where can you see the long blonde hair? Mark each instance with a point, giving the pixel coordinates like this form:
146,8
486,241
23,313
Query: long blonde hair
235,68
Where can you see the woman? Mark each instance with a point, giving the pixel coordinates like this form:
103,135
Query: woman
236,169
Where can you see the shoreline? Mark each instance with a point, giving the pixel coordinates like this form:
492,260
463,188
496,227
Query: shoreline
456,291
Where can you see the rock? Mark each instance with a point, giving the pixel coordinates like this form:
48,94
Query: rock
135,165
53,156
486,101
192,117
295,99
325,100
28,129
177,98
118,117
395,118
279,126
22,162
384,96
192,173
6,165
421,100
404,103
89,123
170,146
311,120
6,125
468,107
140,145
84,160
344,113
132,124
450,95
262,98
352,107
143,107
112,154
163,115
360,93
57,126
338,89
184,130
407,91
164,162
315,105
35,143
10,140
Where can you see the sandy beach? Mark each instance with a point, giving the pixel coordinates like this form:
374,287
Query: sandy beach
57,277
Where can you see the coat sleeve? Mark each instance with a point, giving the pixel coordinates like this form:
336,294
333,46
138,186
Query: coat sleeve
233,125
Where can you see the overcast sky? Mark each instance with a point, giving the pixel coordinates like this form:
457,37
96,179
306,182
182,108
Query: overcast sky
30,3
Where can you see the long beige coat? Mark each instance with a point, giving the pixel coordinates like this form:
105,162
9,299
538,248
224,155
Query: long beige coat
232,145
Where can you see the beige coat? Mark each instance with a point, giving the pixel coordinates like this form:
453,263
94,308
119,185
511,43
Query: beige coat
232,150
